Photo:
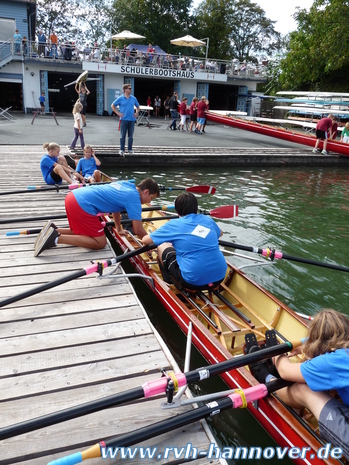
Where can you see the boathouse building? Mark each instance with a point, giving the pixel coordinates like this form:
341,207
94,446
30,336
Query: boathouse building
26,73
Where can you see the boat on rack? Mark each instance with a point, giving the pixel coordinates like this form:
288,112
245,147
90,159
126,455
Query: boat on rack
289,134
220,320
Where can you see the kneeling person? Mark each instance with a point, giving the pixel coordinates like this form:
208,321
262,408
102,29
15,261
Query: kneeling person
84,205
188,247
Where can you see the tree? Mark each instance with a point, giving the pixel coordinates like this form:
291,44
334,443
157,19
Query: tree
237,29
57,16
93,18
159,21
318,52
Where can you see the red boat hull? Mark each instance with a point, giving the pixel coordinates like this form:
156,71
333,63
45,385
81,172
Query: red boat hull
280,133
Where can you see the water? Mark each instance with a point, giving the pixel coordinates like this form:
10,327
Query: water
302,212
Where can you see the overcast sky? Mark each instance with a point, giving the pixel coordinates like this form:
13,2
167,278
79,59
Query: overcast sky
280,11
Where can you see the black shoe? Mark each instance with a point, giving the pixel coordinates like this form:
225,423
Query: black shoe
260,370
47,241
47,226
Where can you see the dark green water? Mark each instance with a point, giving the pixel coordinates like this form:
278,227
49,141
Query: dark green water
302,212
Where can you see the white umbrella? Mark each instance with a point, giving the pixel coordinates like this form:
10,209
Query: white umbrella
127,35
187,41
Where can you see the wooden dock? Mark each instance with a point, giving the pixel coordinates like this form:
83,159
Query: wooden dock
84,340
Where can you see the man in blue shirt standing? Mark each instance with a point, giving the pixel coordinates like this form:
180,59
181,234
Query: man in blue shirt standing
128,117
42,43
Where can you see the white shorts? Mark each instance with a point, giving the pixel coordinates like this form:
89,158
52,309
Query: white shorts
183,119
346,139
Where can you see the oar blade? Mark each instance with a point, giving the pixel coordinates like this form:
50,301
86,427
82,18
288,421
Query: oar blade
202,189
226,211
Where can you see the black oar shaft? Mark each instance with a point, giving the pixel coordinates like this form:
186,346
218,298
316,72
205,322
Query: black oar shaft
77,274
238,362
42,288
279,255
72,412
162,427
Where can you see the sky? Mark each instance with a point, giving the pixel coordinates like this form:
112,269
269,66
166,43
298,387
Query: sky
280,11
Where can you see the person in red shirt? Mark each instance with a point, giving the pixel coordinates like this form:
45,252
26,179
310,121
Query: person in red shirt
202,109
334,129
324,125
183,113
193,113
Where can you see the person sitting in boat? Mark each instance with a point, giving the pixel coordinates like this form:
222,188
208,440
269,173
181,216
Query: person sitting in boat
188,248
83,207
54,167
88,166
326,369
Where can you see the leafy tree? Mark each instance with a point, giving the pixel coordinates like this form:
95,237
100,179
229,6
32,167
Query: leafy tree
318,52
237,29
252,33
159,21
57,15
93,18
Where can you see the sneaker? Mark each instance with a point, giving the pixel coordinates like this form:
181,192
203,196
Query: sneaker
47,226
131,152
47,241
316,151
324,152
84,125
121,153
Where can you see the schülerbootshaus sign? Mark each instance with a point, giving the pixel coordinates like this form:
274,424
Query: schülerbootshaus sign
140,71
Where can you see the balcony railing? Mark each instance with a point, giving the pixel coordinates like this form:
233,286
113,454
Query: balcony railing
76,53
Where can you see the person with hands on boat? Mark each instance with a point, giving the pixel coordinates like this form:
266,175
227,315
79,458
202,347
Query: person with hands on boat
327,368
83,207
188,248
54,167
324,125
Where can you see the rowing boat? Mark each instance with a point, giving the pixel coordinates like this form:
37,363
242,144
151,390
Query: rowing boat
220,320
275,131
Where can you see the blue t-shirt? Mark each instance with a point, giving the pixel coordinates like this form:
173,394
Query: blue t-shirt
87,166
46,165
195,238
329,371
42,99
126,106
110,198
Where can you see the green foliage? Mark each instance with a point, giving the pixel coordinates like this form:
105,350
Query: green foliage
237,29
159,21
318,52
56,16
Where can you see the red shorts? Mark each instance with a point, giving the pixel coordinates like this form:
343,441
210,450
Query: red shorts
80,222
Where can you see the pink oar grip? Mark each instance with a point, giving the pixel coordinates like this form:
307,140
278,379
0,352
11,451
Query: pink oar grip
251,394
158,386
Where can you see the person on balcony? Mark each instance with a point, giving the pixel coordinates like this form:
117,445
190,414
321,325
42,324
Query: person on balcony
18,40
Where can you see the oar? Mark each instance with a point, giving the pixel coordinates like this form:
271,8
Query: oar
147,390
60,217
274,254
238,399
196,189
57,187
226,211
93,268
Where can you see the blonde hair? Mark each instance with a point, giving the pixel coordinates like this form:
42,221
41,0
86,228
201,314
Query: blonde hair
347,125
328,332
88,146
77,105
203,98
50,146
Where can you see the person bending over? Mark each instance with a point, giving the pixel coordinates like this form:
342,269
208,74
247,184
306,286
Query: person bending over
188,247
83,206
